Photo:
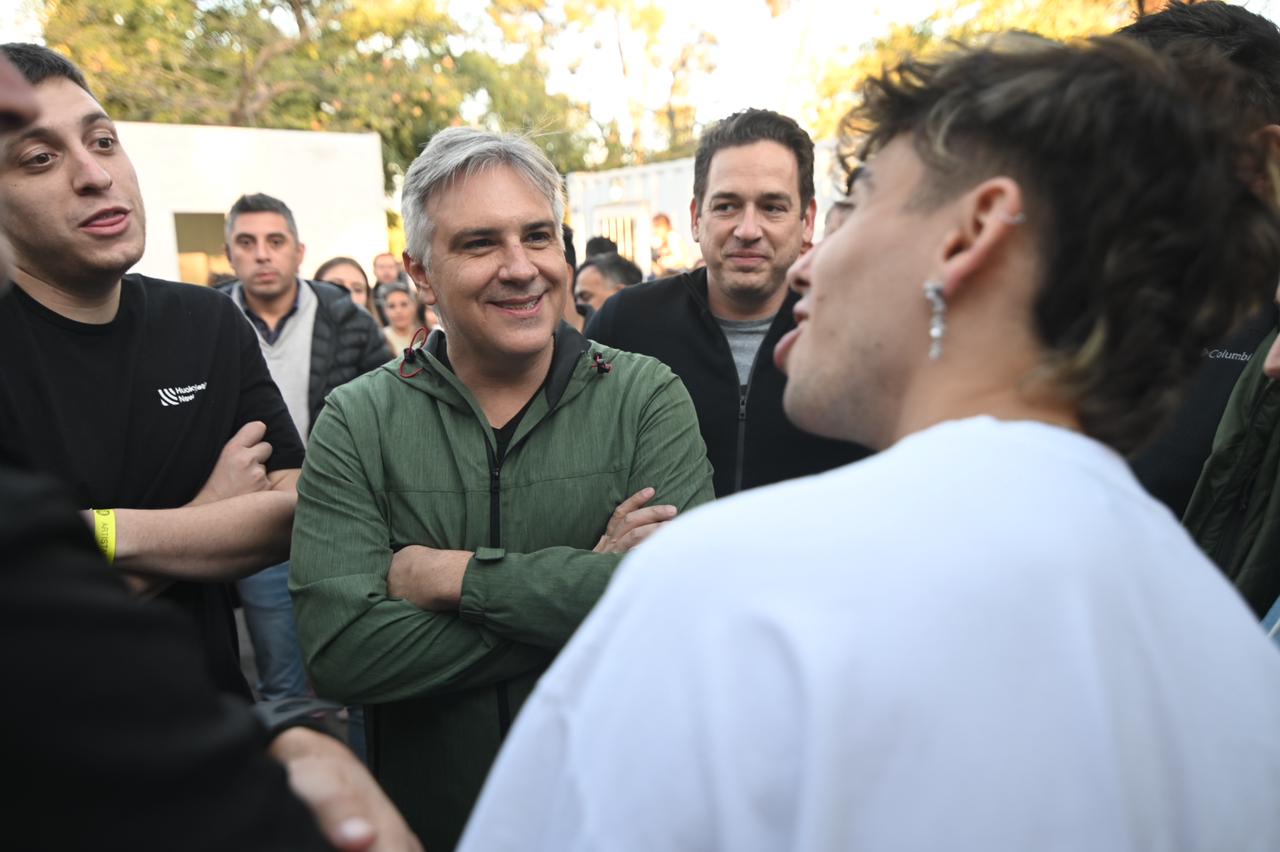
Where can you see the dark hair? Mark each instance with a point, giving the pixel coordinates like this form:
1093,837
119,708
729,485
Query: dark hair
615,267
601,245
745,128
38,63
338,261
260,202
571,253
1151,244
1247,39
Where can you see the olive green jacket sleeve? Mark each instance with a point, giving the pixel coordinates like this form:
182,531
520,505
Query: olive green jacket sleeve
360,644
540,598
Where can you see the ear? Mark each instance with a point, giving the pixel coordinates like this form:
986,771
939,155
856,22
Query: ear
695,220
419,274
989,218
1263,184
302,252
810,215
226,252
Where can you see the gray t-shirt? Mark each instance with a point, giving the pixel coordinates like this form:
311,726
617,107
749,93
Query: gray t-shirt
745,337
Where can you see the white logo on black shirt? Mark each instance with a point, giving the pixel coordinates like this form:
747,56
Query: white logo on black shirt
177,396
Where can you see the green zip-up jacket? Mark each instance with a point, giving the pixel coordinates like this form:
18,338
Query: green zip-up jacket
393,462
1234,513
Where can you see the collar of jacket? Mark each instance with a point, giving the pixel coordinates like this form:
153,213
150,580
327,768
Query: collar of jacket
695,283
569,371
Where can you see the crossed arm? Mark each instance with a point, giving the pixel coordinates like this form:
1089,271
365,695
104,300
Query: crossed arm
432,579
239,522
374,625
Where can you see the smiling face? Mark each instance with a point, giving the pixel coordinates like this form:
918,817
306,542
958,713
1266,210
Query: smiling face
862,318
751,227
265,255
497,276
72,209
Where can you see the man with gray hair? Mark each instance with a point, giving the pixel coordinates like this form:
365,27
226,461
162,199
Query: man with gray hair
456,516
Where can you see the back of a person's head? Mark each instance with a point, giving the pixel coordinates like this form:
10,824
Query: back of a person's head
1150,243
613,266
747,128
600,245
570,253
38,63
1248,40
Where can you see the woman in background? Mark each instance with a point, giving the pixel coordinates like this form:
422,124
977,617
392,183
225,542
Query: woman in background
402,316
346,273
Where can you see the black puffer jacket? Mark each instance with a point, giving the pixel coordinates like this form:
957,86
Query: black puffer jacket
749,439
346,341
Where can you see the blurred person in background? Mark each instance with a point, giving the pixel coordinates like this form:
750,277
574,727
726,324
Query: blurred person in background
603,275
348,275
601,245
314,339
402,317
1233,511
575,314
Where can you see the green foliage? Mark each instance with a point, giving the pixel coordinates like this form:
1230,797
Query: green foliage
387,66
656,69
955,20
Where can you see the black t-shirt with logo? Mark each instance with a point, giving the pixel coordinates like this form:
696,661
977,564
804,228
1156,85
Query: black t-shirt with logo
132,414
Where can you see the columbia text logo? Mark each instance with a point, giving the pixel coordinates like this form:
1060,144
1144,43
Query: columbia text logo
177,396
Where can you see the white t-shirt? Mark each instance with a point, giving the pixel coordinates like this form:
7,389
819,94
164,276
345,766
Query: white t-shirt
985,638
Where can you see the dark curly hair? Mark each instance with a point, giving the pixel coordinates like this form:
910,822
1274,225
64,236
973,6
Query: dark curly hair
1152,243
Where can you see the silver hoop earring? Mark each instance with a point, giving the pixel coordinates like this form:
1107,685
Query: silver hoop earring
1013,218
937,317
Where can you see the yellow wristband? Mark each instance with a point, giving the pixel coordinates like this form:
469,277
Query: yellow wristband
104,532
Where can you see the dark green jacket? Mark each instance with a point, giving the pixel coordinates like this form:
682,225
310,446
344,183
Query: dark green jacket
1234,513
393,462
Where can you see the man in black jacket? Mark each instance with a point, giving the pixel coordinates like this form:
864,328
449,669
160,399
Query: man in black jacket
753,209
314,338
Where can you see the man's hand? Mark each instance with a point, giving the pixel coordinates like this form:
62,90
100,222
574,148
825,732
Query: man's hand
241,467
428,578
632,522
351,809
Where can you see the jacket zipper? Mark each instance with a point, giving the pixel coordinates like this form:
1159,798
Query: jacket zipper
742,435
744,391
495,541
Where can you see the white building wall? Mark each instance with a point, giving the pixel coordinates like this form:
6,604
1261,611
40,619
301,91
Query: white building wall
331,181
